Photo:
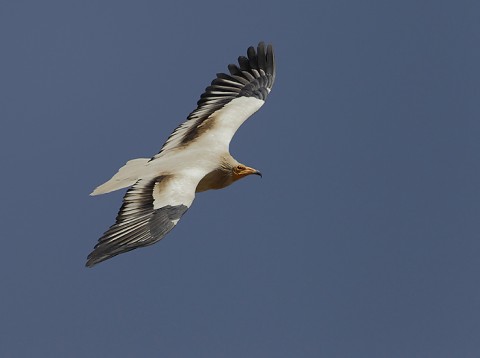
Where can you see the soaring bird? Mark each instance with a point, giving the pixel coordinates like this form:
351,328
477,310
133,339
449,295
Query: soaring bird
195,158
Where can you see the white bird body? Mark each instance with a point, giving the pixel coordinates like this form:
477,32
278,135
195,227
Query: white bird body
195,158
203,155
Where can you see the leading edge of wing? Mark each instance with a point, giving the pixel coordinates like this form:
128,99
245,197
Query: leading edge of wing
253,77
149,211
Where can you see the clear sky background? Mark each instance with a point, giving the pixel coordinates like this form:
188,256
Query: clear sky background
362,238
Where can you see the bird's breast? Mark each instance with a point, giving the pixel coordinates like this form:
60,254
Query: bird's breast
216,179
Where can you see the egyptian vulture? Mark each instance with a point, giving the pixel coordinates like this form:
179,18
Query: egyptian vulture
195,158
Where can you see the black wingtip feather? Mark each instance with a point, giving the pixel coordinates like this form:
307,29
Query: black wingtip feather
270,62
244,63
252,77
261,58
234,70
252,58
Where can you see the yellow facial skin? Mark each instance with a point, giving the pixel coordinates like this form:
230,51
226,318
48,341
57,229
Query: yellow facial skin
241,171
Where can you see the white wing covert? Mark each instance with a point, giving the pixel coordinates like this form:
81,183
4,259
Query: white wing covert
164,185
151,208
227,102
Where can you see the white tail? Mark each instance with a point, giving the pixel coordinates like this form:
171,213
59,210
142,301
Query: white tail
126,176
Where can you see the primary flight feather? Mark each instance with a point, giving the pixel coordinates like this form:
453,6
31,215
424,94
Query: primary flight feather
194,158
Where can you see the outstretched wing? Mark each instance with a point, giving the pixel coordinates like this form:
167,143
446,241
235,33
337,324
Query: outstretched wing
227,102
151,208
155,203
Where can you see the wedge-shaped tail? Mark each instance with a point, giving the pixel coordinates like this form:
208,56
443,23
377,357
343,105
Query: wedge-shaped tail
125,177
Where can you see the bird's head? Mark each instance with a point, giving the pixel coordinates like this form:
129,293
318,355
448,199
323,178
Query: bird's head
239,171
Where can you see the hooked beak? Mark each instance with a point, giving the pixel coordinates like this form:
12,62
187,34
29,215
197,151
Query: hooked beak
247,171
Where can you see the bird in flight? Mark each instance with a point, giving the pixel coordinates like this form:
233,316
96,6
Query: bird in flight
195,158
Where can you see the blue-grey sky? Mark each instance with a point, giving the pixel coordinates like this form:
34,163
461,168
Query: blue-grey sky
362,238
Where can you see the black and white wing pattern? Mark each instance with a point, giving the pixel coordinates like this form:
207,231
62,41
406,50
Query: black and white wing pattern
164,186
229,101
151,208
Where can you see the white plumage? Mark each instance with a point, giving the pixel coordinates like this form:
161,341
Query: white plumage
195,158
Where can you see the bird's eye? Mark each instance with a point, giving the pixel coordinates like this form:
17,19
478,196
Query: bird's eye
241,167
